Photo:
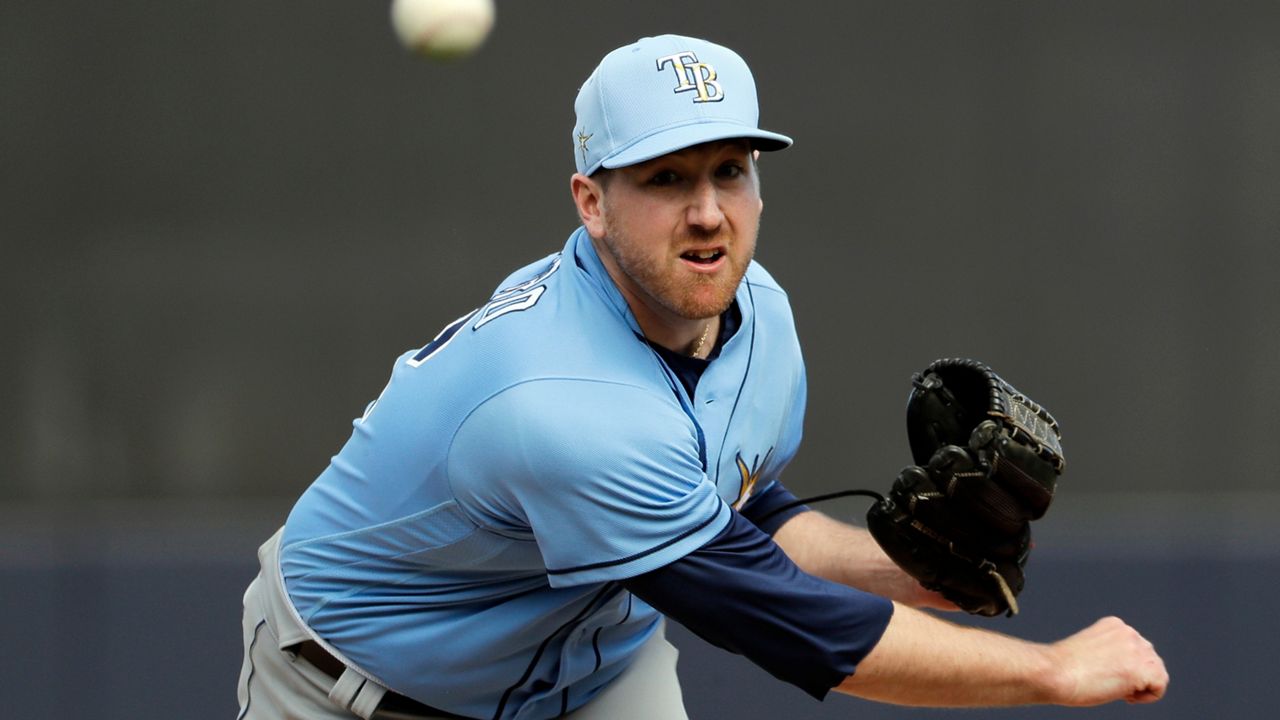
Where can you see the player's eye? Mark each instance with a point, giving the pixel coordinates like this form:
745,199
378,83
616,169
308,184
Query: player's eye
730,170
664,178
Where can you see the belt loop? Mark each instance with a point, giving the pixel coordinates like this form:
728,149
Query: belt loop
357,693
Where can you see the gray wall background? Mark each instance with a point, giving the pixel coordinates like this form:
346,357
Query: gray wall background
221,222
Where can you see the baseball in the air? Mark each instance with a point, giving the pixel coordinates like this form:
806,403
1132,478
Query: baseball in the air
442,29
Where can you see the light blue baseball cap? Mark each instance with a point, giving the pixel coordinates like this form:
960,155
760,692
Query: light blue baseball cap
662,94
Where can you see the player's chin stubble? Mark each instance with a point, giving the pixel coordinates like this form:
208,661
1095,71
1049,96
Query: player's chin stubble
688,295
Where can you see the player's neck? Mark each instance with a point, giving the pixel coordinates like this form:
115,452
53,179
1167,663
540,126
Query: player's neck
692,337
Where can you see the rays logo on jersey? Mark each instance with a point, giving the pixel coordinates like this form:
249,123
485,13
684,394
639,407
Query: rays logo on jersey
749,477
693,76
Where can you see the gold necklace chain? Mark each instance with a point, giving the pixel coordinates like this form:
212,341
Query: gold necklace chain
697,349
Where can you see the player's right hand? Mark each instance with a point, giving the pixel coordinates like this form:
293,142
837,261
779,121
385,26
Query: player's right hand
1109,661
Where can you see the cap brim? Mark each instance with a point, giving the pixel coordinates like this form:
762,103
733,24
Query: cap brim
679,138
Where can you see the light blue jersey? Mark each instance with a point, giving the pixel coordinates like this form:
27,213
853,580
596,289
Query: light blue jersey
463,548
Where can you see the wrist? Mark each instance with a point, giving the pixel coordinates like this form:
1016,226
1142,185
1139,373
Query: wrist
1054,682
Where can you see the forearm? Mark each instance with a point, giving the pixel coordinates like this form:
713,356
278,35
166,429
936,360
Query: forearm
925,661
831,549
847,554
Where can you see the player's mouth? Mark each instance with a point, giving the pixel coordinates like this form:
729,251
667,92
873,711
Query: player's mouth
703,260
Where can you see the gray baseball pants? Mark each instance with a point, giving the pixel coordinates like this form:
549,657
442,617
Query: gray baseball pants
277,684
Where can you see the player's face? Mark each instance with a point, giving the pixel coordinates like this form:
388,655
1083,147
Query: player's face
680,230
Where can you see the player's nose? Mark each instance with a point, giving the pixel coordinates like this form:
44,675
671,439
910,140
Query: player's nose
704,209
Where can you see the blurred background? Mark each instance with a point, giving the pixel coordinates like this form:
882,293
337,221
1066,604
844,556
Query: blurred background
221,222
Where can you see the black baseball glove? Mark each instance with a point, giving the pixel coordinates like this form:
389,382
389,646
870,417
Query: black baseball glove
987,462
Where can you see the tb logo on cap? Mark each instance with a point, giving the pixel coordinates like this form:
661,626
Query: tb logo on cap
693,76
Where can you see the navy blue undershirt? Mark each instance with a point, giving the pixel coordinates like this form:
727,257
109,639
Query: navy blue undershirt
689,369
802,629
763,502
742,593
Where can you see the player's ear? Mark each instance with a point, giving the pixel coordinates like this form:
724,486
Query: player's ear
588,197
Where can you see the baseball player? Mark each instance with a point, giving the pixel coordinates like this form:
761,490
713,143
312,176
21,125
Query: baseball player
598,446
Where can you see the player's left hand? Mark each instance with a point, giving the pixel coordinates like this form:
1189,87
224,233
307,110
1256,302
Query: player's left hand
987,460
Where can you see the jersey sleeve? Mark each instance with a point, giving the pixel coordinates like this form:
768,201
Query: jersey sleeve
608,478
802,629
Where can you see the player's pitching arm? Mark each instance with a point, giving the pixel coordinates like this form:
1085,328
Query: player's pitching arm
923,660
